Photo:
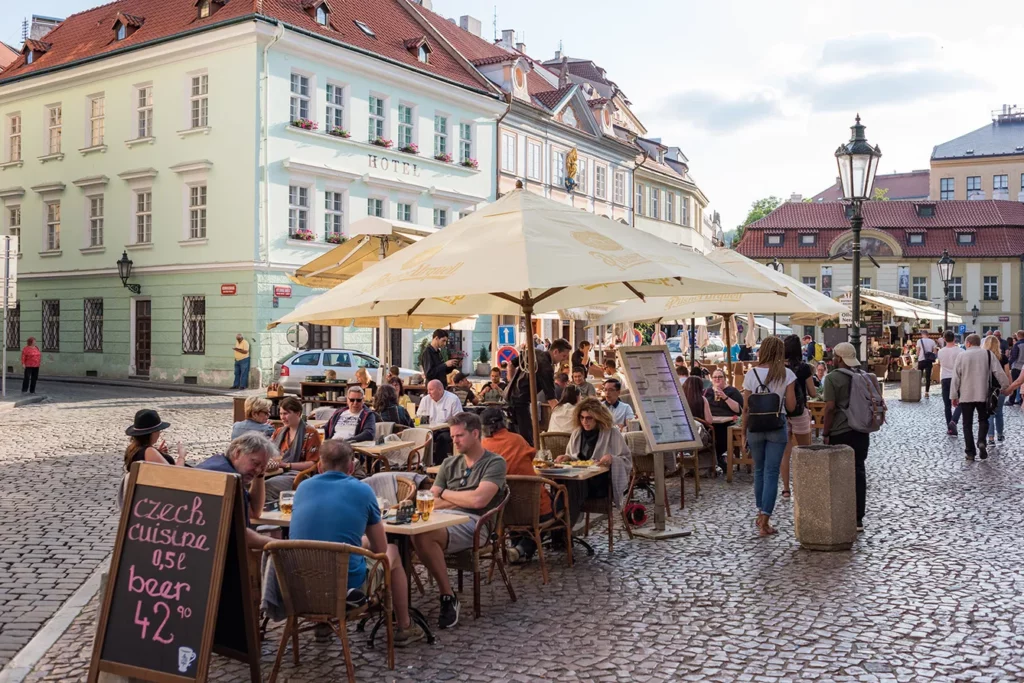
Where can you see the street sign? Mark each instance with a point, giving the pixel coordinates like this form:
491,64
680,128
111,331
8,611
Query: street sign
506,354
228,290
506,335
9,266
1004,318
962,329
283,291
638,337
846,319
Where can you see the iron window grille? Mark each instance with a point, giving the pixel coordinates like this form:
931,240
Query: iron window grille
193,325
51,325
13,332
94,325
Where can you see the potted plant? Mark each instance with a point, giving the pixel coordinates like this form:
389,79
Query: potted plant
339,132
470,162
381,142
446,158
335,238
302,235
305,124
483,367
411,148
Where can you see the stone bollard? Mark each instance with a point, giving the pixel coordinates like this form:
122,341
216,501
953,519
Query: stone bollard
824,497
910,385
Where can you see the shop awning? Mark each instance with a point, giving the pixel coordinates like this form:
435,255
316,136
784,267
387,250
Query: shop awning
905,307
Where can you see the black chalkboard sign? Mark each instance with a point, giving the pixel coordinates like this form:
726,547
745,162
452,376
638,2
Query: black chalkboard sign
178,586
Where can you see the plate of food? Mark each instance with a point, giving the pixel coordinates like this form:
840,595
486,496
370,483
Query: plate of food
581,463
556,470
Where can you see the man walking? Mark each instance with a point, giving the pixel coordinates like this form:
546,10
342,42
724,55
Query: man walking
1016,360
970,389
432,363
947,356
925,359
837,429
241,363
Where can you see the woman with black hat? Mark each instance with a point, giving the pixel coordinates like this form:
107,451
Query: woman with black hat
144,432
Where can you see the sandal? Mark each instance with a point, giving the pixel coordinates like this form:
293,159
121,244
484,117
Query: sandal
785,493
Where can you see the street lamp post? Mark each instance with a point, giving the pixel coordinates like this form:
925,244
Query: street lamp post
124,271
858,163
946,264
777,266
974,317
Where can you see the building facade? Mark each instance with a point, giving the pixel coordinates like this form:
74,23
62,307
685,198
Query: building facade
910,185
987,163
986,238
185,140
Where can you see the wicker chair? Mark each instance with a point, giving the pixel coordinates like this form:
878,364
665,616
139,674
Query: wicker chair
406,489
422,452
556,442
523,513
470,560
302,476
383,429
313,576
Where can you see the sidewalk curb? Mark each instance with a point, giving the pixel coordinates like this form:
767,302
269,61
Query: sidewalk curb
22,664
156,386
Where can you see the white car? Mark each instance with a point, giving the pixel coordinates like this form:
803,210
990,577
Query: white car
301,365
713,352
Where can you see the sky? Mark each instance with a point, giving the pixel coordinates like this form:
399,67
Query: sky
759,95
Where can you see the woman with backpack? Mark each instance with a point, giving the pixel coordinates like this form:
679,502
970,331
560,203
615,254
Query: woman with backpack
800,418
768,394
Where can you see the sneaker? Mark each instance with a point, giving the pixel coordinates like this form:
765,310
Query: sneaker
1001,438
983,452
513,555
970,457
355,598
991,441
404,637
449,611
950,432
860,527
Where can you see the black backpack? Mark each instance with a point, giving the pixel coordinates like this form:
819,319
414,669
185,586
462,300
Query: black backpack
764,413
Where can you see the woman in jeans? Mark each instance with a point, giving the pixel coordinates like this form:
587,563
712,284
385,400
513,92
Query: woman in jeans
995,420
799,419
767,448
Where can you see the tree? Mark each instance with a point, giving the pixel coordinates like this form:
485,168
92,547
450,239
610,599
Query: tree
758,210
881,194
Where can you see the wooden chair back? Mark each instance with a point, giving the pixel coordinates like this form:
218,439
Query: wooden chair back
301,477
524,494
556,442
406,488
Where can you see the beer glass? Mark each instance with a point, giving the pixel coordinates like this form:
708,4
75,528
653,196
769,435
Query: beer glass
425,504
285,501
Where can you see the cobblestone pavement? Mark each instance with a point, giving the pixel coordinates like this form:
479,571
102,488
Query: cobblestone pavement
933,590
62,462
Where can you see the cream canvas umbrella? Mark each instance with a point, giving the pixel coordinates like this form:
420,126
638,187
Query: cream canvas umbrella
751,337
523,254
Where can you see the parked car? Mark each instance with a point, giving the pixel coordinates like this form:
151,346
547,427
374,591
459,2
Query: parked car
298,366
714,352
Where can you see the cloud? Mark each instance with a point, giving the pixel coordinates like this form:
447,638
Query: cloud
879,49
880,88
717,112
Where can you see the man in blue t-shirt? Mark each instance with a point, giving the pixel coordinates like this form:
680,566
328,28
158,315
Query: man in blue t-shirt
336,507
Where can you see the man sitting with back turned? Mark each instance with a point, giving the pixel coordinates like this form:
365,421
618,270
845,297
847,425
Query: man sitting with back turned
336,507
247,456
471,483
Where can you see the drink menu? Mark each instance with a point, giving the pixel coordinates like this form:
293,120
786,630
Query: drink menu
657,394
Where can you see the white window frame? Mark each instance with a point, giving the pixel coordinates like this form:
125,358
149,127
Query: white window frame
14,223
558,168
376,206
12,137
619,188
198,205
406,126
377,117
1000,181
143,111
808,240
534,160
300,206
54,128
919,287
990,288
96,207
684,210
300,87
335,201
639,199
465,141
582,176
600,181
199,100
915,238
442,129
956,288
442,217
51,222
96,132
654,203
670,207
142,216
336,108
408,214
773,240
810,281
508,152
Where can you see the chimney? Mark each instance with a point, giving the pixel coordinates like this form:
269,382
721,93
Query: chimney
508,38
558,55
426,4
470,24
796,198
42,25
521,47
563,72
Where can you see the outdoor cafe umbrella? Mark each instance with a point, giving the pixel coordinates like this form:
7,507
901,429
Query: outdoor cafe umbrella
523,254
751,336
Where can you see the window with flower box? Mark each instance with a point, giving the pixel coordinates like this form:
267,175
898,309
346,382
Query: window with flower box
299,108
298,209
334,214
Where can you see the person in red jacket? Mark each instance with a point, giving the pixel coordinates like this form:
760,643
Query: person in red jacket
30,359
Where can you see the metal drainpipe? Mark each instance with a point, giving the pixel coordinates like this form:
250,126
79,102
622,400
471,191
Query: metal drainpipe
1020,285
264,141
497,184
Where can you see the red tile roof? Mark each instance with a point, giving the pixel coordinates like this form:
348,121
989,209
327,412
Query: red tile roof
88,34
912,185
128,20
998,224
551,98
38,45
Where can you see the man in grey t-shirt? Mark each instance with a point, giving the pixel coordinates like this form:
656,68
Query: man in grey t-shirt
472,483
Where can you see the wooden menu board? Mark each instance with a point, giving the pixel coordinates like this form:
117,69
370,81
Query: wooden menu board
178,586
658,399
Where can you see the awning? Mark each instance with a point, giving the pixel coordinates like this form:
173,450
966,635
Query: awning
905,307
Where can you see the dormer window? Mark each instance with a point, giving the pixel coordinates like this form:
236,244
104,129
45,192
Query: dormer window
423,54
33,50
773,239
915,238
318,10
808,240
122,31
321,15
204,8
126,24
925,210
965,238
30,57
419,47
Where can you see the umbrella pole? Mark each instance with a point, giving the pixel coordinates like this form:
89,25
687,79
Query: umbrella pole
728,344
531,356
692,338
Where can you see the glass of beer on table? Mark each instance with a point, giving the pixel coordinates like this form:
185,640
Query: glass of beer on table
285,501
424,504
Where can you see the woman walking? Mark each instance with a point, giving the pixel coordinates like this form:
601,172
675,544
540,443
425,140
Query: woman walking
768,394
30,360
995,420
800,418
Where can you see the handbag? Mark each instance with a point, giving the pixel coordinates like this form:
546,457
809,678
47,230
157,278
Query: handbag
764,409
994,389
